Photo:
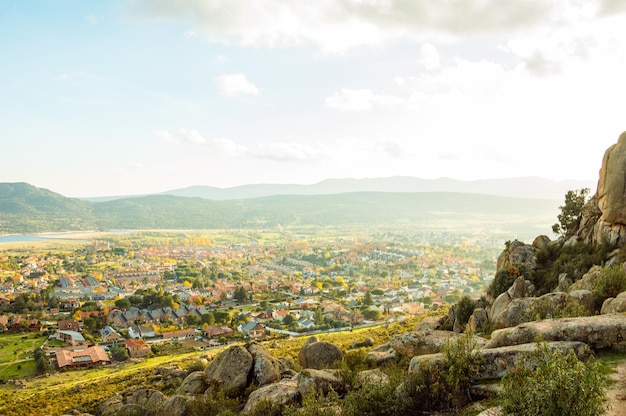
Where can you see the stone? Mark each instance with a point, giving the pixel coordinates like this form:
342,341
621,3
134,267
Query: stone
266,369
176,405
281,393
415,343
599,332
230,370
319,355
380,358
111,406
541,242
497,361
194,383
318,381
614,305
517,254
478,320
584,298
428,323
147,398
586,282
372,377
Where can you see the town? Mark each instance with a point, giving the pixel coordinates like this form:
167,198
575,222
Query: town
127,295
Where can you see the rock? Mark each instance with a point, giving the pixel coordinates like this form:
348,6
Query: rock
147,398
586,282
194,383
492,411
75,412
176,405
518,288
318,381
429,323
564,282
373,377
604,216
584,298
499,305
265,369
517,254
541,242
485,391
599,332
380,358
614,305
367,342
415,343
311,340
478,320
281,393
112,406
497,361
230,370
319,355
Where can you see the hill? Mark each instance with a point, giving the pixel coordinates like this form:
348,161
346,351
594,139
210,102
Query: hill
26,209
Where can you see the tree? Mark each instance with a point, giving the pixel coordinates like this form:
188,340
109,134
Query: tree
42,365
318,317
240,294
122,303
367,299
571,212
119,353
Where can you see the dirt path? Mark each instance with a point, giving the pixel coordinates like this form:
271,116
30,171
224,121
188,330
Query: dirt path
617,391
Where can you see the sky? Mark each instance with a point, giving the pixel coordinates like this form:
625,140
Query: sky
128,97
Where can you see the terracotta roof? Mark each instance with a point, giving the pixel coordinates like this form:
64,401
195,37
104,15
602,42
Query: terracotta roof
91,355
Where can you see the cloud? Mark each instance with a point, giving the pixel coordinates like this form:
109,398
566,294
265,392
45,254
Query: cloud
430,56
291,152
195,139
236,84
360,100
337,25
538,65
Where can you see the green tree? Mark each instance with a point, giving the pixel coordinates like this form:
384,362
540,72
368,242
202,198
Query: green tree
122,303
318,317
42,365
119,353
240,294
367,299
571,212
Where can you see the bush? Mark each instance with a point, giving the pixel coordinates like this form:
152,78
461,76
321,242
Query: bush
464,310
545,309
500,283
210,404
547,382
611,281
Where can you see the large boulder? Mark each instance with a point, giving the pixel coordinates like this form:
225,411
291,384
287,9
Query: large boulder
614,305
318,381
517,254
373,377
266,369
281,394
497,361
148,398
194,383
112,406
586,282
176,405
603,218
478,320
599,332
415,343
230,370
319,355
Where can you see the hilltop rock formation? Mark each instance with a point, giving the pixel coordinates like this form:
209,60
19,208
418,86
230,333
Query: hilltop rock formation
604,216
319,355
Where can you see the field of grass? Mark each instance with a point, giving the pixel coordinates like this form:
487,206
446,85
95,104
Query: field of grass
17,350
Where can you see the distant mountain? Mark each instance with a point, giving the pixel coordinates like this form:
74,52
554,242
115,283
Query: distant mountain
528,187
26,209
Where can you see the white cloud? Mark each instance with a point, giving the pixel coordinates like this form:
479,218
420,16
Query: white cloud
195,139
337,25
360,100
292,152
236,84
430,56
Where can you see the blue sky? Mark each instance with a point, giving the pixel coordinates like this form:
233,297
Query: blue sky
138,96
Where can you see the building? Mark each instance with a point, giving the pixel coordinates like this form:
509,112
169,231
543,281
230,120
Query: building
137,348
71,337
84,358
110,336
253,330
68,325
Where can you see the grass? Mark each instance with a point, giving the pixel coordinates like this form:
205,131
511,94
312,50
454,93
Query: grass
14,350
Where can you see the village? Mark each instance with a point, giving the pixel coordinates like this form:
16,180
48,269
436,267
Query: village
124,297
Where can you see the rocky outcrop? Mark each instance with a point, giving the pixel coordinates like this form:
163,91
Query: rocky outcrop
614,305
372,377
502,313
318,381
266,368
517,254
175,406
319,355
603,218
415,343
599,332
142,401
497,361
478,320
194,383
230,370
281,393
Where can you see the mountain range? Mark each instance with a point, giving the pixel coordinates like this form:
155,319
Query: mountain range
525,187
373,203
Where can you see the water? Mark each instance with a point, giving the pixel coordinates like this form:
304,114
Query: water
19,238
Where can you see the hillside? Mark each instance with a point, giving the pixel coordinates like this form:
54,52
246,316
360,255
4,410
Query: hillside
27,209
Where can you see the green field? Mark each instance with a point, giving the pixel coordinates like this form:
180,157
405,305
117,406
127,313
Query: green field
16,355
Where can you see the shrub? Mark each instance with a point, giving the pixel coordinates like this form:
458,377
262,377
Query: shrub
210,404
611,281
500,283
545,309
547,382
464,310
